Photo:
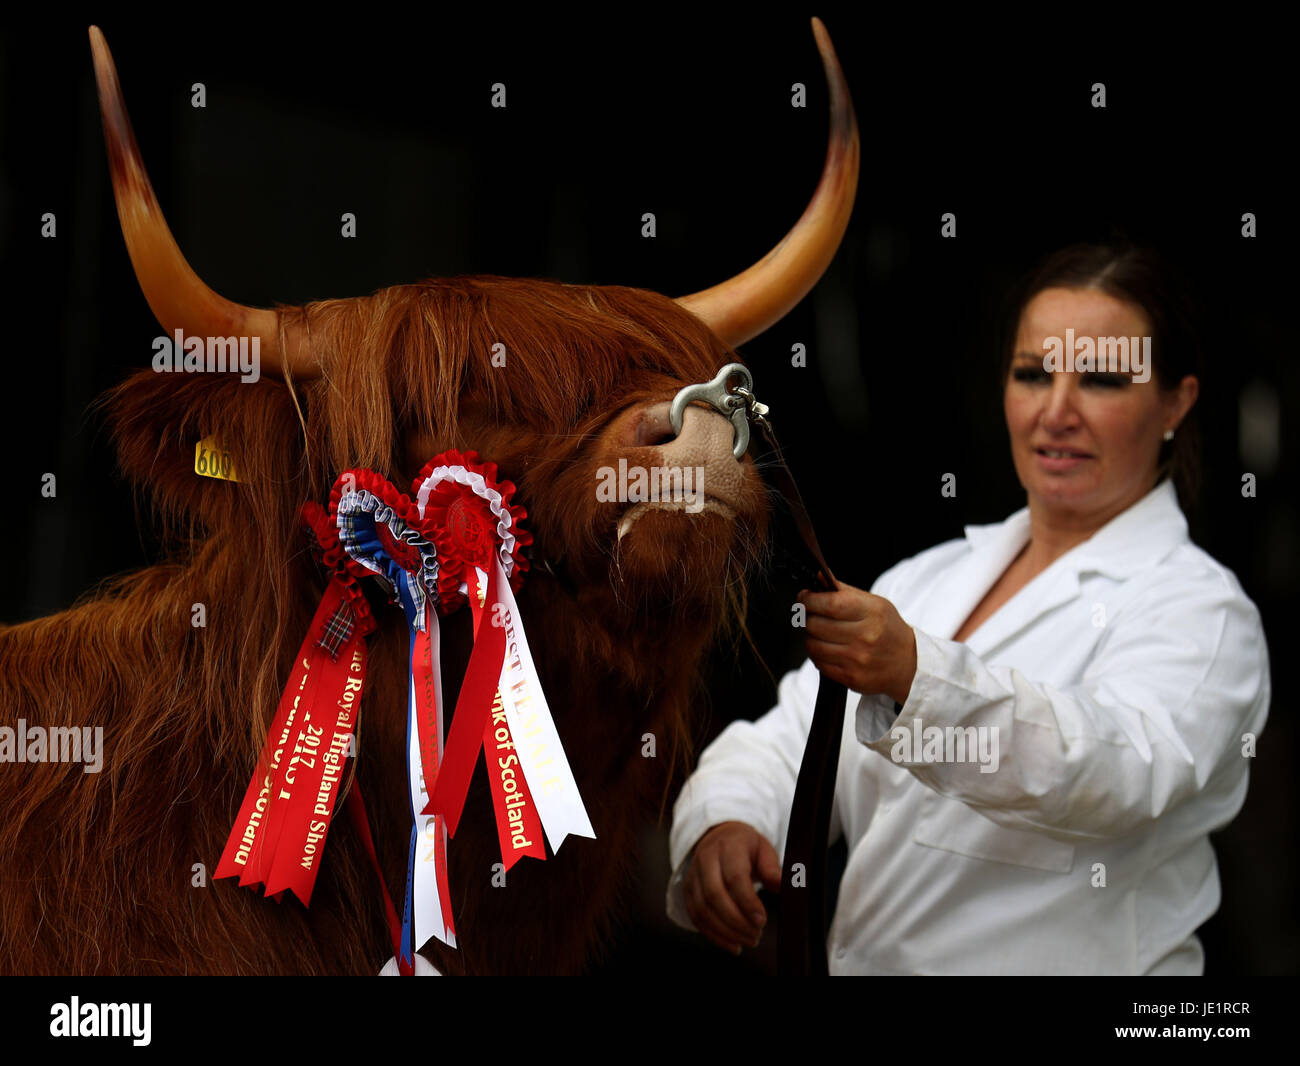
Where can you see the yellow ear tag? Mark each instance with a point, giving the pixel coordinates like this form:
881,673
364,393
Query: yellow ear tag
212,460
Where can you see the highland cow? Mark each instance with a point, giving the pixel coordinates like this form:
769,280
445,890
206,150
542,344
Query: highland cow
621,601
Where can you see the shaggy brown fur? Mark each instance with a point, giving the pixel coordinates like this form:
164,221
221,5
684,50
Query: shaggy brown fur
97,868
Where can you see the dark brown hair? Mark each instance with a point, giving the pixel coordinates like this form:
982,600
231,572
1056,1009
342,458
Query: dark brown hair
1138,276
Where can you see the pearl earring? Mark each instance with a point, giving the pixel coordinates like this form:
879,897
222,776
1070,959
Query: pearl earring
1169,434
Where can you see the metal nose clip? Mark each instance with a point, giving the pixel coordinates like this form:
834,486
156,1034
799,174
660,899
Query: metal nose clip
739,406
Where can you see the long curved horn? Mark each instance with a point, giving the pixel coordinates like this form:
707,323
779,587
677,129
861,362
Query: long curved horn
744,306
177,296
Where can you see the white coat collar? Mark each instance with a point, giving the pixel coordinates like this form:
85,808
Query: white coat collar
1131,541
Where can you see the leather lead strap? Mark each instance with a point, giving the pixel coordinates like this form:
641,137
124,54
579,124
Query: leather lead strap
801,938
785,484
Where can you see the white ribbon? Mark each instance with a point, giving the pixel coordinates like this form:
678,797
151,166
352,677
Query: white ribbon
537,743
423,968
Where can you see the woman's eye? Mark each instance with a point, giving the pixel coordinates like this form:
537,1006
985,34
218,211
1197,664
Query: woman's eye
1034,375
1103,380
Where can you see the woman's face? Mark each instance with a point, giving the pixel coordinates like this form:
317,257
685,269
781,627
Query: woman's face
1085,443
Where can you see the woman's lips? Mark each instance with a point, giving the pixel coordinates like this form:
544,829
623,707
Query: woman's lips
1061,460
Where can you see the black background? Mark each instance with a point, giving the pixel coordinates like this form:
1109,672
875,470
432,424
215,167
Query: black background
685,113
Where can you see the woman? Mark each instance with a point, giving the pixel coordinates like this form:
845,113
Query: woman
1079,689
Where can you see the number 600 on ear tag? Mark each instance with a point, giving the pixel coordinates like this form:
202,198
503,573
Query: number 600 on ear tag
212,460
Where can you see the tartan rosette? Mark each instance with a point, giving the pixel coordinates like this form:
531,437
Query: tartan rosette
323,536
378,529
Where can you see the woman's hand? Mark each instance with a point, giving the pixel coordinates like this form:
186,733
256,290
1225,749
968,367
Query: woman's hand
719,885
861,641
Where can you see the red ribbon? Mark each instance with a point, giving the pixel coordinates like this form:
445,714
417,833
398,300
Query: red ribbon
423,675
278,803
473,715
313,773
279,834
357,810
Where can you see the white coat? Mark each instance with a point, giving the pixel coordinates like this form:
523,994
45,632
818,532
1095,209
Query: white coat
1124,682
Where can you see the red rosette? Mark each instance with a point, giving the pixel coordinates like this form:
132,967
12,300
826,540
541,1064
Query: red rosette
324,537
468,514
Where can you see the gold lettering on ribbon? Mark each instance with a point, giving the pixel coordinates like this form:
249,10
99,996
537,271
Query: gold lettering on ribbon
531,724
333,760
263,795
516,801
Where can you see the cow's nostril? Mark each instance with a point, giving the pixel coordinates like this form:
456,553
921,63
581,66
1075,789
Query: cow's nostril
651,437
654,427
